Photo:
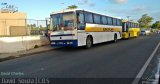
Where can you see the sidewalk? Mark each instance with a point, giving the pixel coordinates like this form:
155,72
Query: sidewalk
28,52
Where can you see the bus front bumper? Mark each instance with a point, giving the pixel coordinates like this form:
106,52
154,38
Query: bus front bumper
64,43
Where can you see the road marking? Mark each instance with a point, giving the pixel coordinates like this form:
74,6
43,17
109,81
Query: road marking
136,80
157,74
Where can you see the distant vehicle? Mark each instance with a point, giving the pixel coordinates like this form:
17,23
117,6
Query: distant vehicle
145,31
158,31
148,32
130,29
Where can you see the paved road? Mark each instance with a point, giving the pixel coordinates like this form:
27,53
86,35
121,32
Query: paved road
123,59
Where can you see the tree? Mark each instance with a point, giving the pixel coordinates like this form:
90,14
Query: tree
156,25
145,21
33,25
40,26
72,7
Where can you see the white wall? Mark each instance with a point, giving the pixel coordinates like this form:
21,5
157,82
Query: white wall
20,43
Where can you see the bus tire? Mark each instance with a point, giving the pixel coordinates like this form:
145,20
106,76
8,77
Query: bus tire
129,36
138,34
89,42
115,38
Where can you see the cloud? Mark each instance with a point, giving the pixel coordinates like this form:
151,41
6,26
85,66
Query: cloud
130,11
135,12
156,15
86,2
139,8
119,1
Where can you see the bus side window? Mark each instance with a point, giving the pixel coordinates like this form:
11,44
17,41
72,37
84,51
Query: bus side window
80,21
127,27
110,21
124,27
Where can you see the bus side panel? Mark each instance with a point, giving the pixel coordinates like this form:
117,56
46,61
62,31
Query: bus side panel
81,35
98,37
119,35
134,32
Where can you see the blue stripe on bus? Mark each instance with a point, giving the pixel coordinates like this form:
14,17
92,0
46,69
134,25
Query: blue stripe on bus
62,35
63,43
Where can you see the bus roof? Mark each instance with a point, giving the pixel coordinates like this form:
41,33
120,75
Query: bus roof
63,11
129,21
73,10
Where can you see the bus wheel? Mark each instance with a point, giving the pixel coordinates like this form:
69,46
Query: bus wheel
138,34
129,36
115,37
89,42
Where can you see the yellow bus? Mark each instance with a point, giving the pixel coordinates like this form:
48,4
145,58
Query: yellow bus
130,29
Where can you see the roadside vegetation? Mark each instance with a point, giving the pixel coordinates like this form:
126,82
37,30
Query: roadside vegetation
156,25
145,21
72,7
34,27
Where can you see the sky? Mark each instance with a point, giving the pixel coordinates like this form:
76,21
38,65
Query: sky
41,9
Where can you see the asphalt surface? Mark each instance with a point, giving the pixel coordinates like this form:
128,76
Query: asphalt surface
123,59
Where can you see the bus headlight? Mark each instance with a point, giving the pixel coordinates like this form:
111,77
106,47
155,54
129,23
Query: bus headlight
53,43
71,42
68,43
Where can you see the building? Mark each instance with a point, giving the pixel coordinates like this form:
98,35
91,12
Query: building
13,23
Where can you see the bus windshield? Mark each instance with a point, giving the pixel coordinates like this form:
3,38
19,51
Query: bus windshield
63,21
